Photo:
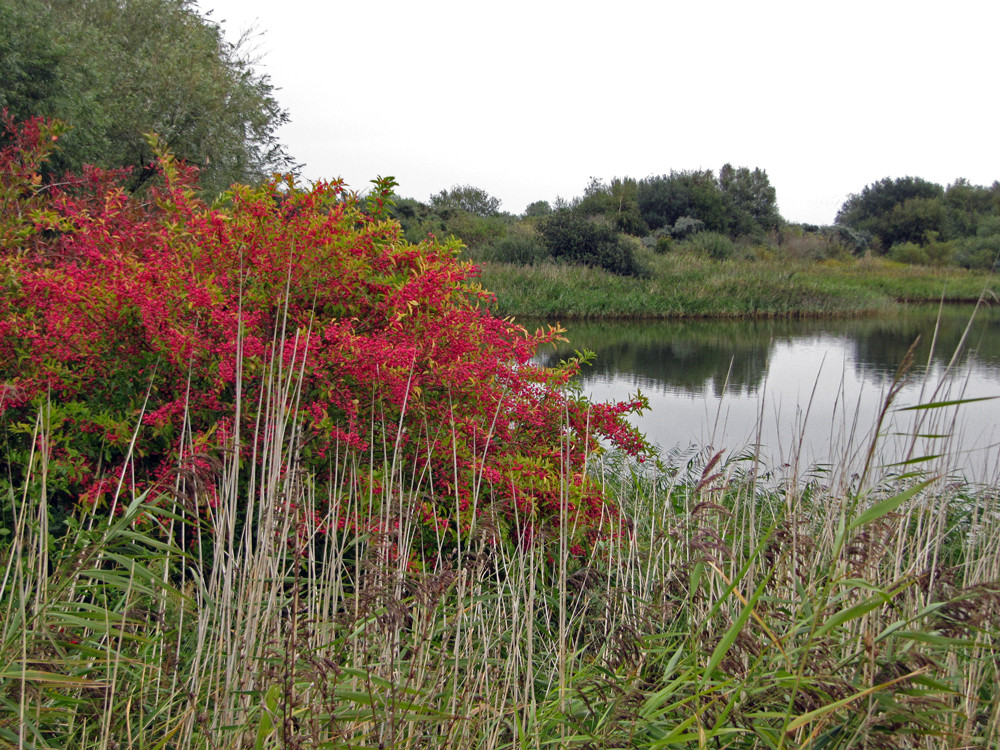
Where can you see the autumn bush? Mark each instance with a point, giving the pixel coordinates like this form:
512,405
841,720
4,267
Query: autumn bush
151,332
313,495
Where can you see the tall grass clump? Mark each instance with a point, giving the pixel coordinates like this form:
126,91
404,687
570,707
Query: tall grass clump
721,609
714,245
273,479
682,284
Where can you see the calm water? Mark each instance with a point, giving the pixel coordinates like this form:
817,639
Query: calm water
808,392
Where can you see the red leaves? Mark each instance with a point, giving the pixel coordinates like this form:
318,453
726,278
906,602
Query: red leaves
386,342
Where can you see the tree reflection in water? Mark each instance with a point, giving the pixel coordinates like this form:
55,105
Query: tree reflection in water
824,380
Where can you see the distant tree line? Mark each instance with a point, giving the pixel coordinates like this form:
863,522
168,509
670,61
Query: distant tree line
602,228
908,219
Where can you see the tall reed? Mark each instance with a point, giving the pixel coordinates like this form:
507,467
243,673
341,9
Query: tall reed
720,611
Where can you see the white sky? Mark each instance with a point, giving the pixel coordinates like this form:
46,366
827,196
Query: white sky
528,100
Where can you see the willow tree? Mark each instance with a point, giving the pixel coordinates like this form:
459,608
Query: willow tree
115,70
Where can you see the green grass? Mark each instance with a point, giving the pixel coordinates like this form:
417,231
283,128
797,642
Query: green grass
728,608
684,285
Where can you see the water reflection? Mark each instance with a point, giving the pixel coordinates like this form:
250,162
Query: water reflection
808,391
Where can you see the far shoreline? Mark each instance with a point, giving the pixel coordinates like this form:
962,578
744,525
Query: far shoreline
686,287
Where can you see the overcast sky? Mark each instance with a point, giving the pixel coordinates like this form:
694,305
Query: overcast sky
528,100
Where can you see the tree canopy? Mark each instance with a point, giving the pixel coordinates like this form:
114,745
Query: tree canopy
116,70
752,200
468,198
664,199
920,221
899,210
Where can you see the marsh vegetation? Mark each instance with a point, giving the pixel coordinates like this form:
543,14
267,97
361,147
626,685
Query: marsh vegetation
274,473
274,477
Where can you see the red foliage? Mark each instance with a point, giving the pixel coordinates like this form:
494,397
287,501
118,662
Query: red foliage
183,323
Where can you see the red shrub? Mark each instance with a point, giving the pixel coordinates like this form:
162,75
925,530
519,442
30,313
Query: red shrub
184,323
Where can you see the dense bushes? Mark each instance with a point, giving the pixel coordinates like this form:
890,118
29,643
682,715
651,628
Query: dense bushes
616,202
980,252
522,246
596,230
917,221
153,334
894,210
467,213
571,236
911,220
739,202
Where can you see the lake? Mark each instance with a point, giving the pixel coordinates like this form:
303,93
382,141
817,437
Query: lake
808,392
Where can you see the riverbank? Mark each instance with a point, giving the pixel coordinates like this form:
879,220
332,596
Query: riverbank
688,286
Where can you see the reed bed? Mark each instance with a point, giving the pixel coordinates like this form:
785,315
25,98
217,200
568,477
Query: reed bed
729,607
683,285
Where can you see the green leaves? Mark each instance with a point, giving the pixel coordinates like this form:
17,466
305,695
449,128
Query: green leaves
117,70
569,235
890,504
